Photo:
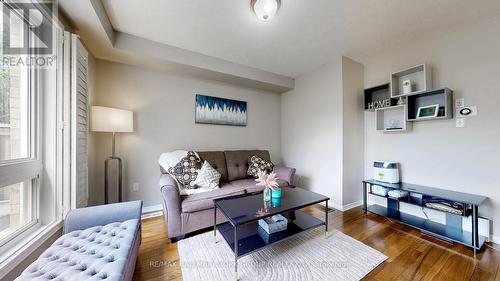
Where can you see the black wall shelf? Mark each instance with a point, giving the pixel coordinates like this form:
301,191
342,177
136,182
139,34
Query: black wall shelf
379,97
443,97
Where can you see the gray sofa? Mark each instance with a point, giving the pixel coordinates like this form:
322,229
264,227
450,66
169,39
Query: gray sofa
99,243
185,214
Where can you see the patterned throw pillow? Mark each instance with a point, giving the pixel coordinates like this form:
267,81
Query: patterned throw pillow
208,177
258,164
185,171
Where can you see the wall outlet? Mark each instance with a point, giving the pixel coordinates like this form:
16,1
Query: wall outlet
135,186
460,122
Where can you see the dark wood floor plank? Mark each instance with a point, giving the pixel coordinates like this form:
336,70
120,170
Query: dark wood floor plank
412,255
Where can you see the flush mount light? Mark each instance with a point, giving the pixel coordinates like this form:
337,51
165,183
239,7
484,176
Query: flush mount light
265,9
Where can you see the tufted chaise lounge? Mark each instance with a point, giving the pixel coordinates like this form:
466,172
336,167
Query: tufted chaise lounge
100,243
185,214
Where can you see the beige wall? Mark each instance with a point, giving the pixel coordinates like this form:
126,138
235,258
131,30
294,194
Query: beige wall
437,153
322,130
311,125
163,106
353,132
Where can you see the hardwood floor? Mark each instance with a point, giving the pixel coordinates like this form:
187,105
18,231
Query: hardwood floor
412,255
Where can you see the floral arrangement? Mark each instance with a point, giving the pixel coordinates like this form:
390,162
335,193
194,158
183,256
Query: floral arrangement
267,180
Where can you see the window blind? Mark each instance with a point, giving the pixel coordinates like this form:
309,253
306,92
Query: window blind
79,123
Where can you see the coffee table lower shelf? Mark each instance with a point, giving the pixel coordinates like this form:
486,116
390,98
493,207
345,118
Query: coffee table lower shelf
249,240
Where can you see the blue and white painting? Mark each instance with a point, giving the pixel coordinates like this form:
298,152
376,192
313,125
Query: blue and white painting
214,110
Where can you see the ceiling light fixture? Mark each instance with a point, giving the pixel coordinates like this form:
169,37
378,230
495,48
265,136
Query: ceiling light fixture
265,9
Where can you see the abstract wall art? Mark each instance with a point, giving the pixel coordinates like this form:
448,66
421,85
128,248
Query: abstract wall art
220,111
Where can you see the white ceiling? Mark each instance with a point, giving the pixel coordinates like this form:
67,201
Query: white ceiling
305,33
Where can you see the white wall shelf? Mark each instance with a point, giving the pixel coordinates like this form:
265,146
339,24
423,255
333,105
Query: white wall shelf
419,75
392,119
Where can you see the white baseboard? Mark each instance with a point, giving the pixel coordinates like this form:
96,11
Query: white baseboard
495,239
352,205
152,211
345,207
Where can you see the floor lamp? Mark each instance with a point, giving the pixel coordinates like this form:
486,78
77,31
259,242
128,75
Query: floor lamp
112,120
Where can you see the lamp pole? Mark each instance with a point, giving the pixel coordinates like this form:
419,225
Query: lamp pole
106,165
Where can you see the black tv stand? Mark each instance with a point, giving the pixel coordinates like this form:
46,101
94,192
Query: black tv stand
451,231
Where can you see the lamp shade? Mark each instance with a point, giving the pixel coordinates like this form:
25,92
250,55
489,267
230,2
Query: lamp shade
108,119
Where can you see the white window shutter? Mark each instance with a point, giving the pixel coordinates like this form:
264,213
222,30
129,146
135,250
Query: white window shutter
79,123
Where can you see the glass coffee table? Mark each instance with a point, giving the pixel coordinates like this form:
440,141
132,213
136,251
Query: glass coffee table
243,212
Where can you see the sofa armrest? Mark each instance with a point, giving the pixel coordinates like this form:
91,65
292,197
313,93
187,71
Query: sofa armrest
84,218
171,205
285,173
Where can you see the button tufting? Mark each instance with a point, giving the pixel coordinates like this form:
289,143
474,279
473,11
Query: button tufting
74,249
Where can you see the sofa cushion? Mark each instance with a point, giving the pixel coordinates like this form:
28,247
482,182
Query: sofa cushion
217,160
258,164
202,201
186,171
237,162
250,185
208,178
99,252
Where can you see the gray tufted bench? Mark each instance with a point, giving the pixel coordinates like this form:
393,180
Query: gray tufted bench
100,243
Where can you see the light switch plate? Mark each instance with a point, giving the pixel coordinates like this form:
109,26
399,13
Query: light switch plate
460,122
135,186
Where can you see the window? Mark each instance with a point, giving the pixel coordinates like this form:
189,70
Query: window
14,108
19,162
17,209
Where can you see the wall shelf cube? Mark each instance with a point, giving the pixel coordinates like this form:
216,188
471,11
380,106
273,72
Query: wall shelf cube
378,97
420,77
442,97
392,119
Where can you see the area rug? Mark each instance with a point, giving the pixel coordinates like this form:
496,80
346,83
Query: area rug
307,256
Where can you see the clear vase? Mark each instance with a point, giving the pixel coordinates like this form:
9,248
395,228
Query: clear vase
267,194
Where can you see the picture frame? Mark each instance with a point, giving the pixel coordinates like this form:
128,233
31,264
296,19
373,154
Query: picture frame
429,111
220,111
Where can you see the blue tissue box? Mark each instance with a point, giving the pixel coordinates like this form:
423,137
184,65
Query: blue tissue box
268,238
273,224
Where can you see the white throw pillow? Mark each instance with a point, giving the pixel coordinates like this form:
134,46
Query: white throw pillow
207,179
170,159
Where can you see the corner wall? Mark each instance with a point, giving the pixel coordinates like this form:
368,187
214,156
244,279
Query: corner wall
436,153
322,131
353,132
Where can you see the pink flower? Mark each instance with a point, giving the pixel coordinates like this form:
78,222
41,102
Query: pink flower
267,180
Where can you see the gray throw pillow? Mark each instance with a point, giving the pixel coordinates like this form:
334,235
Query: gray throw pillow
186,170
258,164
